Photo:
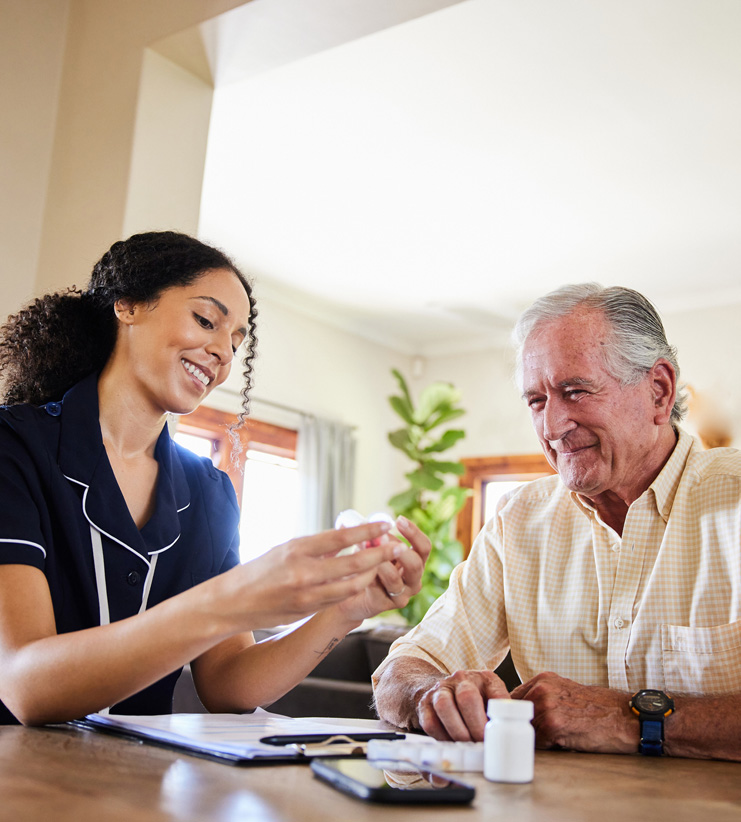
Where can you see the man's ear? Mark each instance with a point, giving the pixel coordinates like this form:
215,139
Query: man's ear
125,310
664,387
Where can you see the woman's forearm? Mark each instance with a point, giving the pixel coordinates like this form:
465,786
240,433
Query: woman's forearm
237,678
50,677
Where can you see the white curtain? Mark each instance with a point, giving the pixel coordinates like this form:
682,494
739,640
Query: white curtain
326,464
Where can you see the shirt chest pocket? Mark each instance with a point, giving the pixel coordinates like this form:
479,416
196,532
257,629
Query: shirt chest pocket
702,661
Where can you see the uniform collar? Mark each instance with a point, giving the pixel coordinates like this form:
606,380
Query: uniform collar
84,462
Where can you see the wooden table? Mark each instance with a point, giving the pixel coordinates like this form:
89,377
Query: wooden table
59,774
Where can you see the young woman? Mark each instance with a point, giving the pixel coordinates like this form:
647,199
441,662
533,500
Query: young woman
118,549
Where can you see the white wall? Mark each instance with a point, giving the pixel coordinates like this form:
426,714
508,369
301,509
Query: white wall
32,37
169,148
321,370
496,419
709,351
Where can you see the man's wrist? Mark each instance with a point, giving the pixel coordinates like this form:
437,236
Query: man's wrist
651,707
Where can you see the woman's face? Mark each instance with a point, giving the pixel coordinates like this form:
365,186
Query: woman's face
178,349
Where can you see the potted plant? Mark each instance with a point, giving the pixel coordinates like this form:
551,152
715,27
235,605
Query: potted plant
431,501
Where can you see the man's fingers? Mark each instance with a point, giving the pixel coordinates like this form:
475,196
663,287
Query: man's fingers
448,711
472,708
429,721
494,688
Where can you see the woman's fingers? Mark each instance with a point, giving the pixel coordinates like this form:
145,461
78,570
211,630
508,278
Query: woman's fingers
332,542
391,578
419,541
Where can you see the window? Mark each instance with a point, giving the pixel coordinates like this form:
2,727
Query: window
264,476
489,478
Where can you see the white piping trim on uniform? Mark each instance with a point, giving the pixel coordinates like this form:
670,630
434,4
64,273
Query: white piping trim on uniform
183,508
99,563
26,542
160,550
148,584
105,533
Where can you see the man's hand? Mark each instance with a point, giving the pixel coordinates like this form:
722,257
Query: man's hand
579,717
454,708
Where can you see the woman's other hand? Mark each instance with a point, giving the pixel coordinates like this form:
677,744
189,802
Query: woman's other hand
396,581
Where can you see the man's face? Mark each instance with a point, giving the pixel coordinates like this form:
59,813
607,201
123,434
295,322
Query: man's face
599,435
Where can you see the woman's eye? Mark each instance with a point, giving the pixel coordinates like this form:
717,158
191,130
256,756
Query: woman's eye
202,321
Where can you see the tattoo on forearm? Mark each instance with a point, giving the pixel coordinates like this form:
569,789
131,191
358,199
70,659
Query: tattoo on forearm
329,646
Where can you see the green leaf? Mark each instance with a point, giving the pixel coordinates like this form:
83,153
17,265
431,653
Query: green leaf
402,408
421,479
440,467
421,520
450,502
402,502
446,415
402,440
448,439
443,509
404,388
433,398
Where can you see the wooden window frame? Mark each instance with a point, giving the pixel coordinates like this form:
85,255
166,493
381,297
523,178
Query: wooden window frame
254,435
479,471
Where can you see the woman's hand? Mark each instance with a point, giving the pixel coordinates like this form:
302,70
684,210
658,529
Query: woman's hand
305,575
396,581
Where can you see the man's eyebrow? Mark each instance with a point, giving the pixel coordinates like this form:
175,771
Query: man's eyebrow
224,310
575,381
561,384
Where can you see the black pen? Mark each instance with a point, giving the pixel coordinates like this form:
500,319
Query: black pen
308,739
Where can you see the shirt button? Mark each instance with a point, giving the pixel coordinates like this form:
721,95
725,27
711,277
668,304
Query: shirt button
618,623
616,547
132,577
54,409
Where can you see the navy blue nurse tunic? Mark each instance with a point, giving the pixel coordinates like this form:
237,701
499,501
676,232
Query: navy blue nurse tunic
61,510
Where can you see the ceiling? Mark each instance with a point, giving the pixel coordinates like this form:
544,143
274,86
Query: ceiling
417,171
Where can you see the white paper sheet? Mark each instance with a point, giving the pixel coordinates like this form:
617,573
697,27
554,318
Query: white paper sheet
233,734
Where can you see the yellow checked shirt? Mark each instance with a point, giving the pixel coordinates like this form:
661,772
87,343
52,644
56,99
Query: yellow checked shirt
658,608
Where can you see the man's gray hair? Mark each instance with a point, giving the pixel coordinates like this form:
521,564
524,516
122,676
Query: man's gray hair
638,336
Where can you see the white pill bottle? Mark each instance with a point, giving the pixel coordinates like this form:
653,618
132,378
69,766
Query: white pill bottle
509,741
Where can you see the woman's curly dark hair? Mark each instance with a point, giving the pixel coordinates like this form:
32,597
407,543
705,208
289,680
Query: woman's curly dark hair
60,338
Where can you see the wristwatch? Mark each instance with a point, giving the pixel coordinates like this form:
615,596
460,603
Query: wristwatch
651,707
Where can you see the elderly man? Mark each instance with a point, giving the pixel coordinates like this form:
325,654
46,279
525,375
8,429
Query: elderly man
617,583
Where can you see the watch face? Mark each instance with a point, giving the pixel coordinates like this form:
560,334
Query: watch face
652,702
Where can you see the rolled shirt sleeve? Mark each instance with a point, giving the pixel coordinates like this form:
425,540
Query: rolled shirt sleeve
466,628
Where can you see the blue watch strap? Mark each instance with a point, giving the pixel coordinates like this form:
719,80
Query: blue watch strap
652,737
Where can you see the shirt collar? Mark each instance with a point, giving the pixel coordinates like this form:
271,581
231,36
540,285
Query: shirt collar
664,487
83,461
666,484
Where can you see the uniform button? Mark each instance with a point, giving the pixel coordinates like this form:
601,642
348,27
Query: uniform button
132,577
618,623
616,547
54,409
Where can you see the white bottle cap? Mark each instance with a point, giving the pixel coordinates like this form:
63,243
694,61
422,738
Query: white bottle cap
510,709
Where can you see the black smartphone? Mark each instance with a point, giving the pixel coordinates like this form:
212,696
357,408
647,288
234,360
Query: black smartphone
393,782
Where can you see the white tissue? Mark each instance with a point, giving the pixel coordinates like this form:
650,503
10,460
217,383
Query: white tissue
350,518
